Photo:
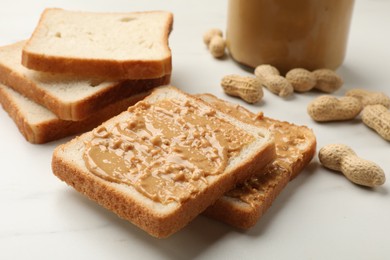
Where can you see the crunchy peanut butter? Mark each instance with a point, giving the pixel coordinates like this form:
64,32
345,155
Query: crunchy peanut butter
289,144
308,34
165,151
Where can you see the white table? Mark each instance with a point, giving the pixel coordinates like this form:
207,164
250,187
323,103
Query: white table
320,215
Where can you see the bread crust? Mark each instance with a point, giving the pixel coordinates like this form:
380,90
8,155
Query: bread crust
17,116
53,128
270,181
79,109
157,224
100,67
109,69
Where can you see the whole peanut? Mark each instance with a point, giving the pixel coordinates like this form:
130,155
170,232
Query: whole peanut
369,97
217,46
327,80
302,80
265,70
247,88
271,79
279,85
328,108
342,158
208,35
377,117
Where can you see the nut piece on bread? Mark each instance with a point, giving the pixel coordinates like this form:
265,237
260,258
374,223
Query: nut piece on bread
108,45
244,205
164,160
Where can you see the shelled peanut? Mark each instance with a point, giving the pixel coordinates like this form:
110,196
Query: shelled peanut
343,159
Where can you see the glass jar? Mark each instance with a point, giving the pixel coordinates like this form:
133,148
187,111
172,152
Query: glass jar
288,34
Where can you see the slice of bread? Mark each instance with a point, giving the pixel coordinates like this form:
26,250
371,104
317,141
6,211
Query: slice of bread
182,138
106,45
39,125
69,97
244,205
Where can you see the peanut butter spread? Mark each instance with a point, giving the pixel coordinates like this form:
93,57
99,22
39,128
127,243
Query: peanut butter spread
290,143
165,151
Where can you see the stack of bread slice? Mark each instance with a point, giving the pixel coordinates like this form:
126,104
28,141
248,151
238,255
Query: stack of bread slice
80,68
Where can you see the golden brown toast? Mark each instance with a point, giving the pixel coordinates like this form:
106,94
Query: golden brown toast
163,161
247,202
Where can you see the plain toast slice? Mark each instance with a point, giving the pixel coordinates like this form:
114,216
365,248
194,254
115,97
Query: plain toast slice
39,125
130,45
244,205
181,156
70,97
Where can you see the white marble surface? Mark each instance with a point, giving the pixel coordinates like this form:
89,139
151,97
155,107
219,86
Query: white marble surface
320,215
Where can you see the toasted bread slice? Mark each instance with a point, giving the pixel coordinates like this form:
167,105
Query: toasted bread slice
39,125
106,45
244,205
69,97
181,156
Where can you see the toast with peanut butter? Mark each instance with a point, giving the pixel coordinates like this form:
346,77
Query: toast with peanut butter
164,160
39,125
295,146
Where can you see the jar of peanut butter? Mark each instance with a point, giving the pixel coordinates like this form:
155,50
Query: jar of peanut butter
287,34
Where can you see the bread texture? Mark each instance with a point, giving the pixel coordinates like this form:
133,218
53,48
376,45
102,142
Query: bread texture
159,219
39,125
244,205
108,45
70,97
